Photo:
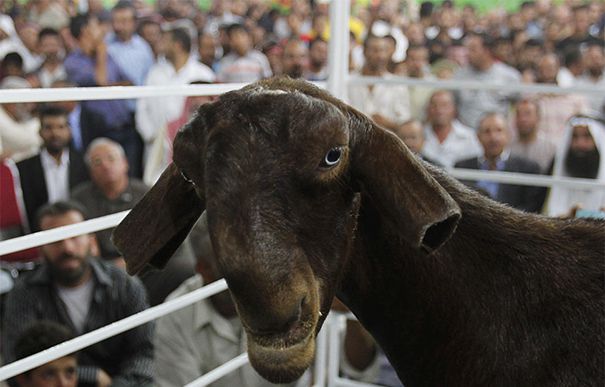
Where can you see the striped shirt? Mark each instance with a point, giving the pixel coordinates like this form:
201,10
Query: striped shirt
127,358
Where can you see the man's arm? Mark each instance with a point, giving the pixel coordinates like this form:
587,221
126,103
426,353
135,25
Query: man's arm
136,360
176,360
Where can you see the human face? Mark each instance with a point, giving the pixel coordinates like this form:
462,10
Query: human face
67,259
548,68
416,61
493,136
526,118
123,23
51,47
294,59
412,136
318,54
239,41
57,373
93,31
594,60
477,53
55,133
207,49
377,54
581,139
441,109
152,35
107,165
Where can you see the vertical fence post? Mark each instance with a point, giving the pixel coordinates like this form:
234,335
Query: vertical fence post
338,47
321,357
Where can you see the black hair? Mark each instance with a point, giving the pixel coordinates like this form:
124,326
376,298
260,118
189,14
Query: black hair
486,39
124,4
12,58
231,28
58,209
39,336
77,24
47,31
51,111
315,41
572,56
182,37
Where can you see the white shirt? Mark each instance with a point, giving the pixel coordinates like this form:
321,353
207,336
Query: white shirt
153,113
390,101
461,143
562,199
56,175
19,139
472,104
196,339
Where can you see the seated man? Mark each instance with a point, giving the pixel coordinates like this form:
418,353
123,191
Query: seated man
412,134
48,176
447,140
111,190
39,336
580,155
84,293
494,138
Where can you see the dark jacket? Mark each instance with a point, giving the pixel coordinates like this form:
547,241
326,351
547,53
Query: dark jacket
522,197
33,183
127,357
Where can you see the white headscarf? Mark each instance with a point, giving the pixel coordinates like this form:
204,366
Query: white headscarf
562,199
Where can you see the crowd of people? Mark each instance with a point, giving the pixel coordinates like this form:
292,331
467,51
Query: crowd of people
80,159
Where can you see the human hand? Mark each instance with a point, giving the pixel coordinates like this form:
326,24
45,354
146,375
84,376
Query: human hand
103,379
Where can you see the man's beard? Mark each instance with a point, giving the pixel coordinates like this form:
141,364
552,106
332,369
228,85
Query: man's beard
295,72
583,164
68,277
595,71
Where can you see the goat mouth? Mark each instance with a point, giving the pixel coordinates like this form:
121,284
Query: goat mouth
284,358
299,333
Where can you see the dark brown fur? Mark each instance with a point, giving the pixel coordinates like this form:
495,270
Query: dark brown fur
506,299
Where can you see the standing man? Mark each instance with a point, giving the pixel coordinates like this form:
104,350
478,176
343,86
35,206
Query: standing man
555,109
295,58
49,176
530,142
494,136
131,53
446,139
83,293
388,105
154,113
417,67
318,60
91,65
111,190
482,67
243,63
581,154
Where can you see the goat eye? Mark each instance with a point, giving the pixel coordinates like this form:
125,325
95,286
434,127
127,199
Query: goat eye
332,157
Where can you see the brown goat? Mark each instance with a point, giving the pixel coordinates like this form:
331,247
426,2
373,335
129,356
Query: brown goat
306,197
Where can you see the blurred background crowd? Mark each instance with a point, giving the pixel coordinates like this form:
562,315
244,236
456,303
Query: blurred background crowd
104,154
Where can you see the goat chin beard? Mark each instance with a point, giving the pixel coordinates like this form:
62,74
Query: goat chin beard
282,365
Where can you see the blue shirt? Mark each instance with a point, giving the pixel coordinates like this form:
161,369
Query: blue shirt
491,186
80,69
76,132
134,57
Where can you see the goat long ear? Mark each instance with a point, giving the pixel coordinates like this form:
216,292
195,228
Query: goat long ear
401,189
159,223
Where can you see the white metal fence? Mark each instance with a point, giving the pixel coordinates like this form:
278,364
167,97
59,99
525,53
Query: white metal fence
326,369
